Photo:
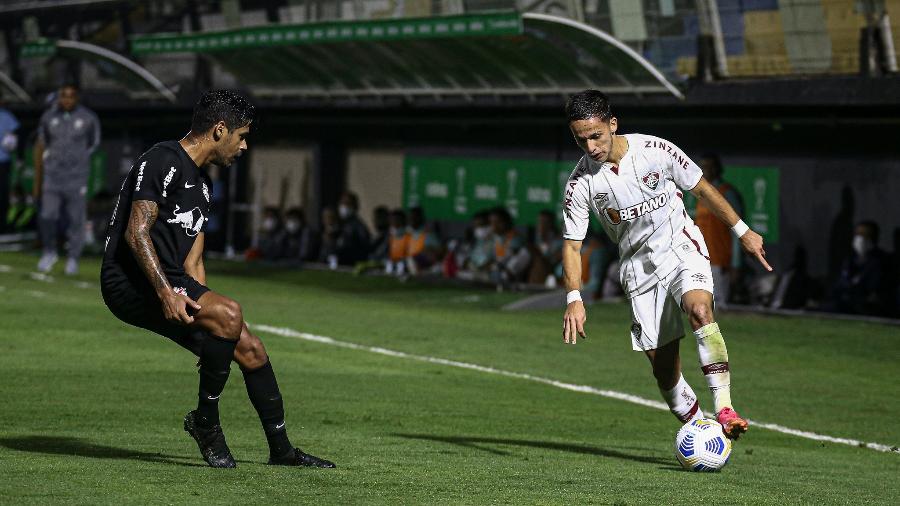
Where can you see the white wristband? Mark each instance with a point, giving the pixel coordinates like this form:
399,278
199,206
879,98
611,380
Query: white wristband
572,296
740,228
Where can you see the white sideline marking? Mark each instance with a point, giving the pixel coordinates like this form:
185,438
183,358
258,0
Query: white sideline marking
40,276
36,293
5,268
612,394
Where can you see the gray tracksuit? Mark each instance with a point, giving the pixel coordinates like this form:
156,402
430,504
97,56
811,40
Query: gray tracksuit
69,138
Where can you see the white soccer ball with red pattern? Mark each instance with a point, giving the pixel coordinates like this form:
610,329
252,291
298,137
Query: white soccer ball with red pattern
701,445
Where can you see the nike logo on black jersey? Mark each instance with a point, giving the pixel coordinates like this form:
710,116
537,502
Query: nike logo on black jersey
189,185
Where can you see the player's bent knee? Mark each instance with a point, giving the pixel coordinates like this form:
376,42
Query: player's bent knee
701,313
232,318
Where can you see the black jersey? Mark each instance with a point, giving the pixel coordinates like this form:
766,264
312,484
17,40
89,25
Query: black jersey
165,174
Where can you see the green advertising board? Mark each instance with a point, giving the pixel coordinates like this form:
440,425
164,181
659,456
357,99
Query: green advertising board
453,189
759,189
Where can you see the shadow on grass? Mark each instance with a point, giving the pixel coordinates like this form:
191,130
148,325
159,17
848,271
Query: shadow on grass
56,445
479,443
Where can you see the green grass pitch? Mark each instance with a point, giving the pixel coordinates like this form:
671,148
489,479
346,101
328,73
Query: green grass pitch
90,408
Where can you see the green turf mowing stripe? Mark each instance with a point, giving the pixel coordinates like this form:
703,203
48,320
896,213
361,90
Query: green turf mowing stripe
612,394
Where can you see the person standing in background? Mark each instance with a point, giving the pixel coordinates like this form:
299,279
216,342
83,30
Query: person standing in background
8,143
354,238
720,242
68,134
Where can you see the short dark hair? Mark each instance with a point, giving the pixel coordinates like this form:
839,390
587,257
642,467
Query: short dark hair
874,231
222,105
504,215
714,158
69,84
588,104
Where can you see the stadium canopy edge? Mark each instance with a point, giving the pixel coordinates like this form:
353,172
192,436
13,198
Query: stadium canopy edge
11,91
497,54
135,78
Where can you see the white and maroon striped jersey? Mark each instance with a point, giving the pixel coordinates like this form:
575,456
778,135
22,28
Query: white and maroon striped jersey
639,203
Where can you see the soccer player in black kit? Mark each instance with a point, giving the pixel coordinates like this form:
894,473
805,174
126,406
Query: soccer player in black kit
153,275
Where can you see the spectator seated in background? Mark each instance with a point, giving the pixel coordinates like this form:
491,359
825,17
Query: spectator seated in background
511,256
271,235
398,243
547,251
475,254
329,237
353,240
298,238
424,249
379,248
864,283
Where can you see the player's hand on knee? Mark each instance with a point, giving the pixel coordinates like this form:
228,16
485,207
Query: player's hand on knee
753,244
175,308
573,322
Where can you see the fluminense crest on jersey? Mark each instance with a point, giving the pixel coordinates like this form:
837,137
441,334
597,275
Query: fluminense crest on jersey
651,180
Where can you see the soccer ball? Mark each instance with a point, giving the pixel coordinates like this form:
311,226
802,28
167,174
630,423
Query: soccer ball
700,445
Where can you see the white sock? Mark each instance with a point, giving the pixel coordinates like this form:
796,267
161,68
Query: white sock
682,401
714,364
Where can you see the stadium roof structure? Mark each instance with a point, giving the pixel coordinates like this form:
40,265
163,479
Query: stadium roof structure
11,91
488,55
139,82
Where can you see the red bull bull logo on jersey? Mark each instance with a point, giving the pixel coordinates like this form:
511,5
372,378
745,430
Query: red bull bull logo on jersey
191,221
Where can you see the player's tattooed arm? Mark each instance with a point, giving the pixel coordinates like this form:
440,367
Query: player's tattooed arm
137,235
143,216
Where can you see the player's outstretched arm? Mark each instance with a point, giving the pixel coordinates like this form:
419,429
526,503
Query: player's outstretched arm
573,321
715,201
137,235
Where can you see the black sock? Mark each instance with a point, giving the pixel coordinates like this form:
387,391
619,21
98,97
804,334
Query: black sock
215,364
262,388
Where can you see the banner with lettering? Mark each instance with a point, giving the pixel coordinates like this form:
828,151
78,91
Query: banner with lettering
453,189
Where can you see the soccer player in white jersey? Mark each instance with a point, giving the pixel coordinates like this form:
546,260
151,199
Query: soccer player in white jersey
635,183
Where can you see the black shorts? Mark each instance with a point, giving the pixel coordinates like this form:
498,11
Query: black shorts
138,305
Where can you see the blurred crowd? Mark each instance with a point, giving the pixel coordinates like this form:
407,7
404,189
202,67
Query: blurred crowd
494,249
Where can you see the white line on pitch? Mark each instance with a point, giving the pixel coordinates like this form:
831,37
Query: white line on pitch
612,394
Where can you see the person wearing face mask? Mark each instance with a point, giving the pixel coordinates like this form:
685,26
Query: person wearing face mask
354,239
297,236
864,284
476,253
271,235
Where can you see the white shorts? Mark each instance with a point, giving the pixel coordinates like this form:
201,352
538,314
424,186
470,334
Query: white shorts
656,313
